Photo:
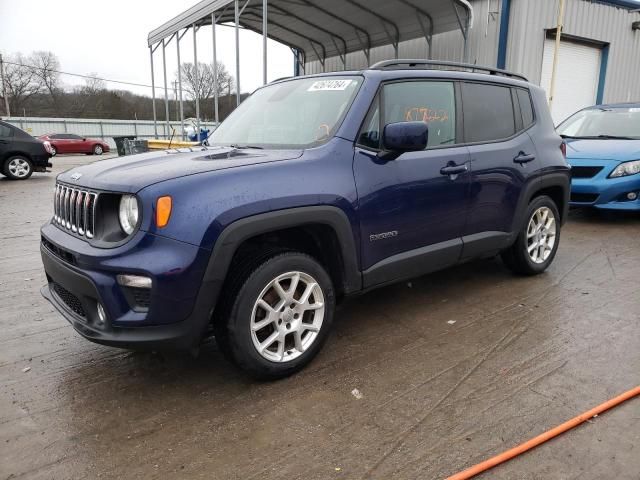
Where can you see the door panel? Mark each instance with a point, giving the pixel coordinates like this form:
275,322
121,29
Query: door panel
501,159
406,203
496,183
412,212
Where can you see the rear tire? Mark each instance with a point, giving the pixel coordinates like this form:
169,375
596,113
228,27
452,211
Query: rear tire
538,240
276,315
18,167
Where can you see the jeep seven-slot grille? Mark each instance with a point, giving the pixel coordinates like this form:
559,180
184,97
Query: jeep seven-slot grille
74,209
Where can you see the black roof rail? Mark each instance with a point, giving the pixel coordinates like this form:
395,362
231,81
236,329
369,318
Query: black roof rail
410,63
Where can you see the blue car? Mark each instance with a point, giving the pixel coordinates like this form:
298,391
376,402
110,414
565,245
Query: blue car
603,149
315,188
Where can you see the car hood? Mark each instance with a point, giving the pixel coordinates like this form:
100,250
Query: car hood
592,149
133,173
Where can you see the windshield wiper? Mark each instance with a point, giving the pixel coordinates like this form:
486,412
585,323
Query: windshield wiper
247,146
616,137
597,137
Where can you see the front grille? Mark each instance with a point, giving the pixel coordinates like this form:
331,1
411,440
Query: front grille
585,172
69,299
74,209
584,197
59,252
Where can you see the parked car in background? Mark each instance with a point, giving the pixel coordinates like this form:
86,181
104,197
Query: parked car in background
314,188
603,149
21,154
70,143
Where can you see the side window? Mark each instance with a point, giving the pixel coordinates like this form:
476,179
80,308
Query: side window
425,101
525,107
73,137
55,136
6,131
370,132
488,112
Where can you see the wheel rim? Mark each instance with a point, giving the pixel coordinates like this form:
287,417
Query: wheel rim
541,235
287,317
98,149
53,151
19,168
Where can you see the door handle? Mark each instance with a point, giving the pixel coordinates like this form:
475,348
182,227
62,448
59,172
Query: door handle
524,158
453,169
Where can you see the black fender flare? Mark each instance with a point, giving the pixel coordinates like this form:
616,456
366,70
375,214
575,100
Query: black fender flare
240,230
560,179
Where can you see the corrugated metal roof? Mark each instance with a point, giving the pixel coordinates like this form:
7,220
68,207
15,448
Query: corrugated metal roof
326,28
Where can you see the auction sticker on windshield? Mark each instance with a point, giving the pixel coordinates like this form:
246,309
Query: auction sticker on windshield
329,85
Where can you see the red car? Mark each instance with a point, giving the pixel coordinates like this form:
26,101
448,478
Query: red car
70,143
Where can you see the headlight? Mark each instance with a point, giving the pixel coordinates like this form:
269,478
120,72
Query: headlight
128,213
626,168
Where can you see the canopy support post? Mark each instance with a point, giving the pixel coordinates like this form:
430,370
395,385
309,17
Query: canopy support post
264,41
153,96
216,113
180,87
464,29
166,92
196,87
237,28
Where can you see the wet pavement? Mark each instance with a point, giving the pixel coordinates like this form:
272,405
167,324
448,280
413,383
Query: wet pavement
453,368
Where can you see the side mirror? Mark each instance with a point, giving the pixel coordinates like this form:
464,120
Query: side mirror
403,137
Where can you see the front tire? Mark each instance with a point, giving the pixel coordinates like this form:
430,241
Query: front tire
54,152
278,315
97,150
18,167
537,244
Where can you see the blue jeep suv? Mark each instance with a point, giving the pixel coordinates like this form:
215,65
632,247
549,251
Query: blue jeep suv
314,188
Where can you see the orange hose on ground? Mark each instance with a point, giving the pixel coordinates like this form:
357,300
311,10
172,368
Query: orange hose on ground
548,435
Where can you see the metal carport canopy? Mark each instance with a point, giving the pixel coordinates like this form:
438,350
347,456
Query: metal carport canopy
327,28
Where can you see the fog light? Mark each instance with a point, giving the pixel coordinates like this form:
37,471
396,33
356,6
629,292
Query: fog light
632,195
102,316
134,281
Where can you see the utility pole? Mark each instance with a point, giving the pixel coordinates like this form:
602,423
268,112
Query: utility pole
556,53
4,88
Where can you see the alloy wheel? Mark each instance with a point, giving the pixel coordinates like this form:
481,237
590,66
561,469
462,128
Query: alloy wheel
18,167
287,317
541,234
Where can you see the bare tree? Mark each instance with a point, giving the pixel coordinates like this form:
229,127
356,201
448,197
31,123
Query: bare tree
21,81
46,67
205,85
92,85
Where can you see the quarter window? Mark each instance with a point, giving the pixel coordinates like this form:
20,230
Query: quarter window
525,107
430,102
488,112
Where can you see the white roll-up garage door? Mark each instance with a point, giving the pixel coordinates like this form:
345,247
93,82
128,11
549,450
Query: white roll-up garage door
577,76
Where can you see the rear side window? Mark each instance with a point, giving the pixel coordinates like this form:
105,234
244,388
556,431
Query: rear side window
430,102
525,107
488,112
5,131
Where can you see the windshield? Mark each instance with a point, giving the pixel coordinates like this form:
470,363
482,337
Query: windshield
292,114
603,122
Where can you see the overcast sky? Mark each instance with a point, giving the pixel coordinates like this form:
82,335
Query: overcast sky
109,38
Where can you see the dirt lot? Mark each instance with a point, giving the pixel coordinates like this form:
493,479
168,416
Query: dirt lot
523,355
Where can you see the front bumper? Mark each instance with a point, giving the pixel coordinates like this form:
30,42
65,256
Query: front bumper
79,276
602,192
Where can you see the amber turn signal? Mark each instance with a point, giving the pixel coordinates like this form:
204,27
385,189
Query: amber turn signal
163,211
